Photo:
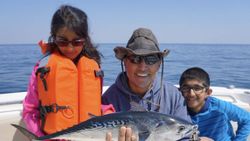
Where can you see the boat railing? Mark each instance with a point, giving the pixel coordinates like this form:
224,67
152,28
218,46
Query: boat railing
234,95
11,109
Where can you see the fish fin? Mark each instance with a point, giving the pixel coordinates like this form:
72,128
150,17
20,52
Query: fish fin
144,135
26,132
92,115
136,107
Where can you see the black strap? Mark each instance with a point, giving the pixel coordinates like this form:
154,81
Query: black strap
43,71
52,108
99,73
44,110
42,115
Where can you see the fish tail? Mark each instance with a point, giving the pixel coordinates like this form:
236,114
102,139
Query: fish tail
26,132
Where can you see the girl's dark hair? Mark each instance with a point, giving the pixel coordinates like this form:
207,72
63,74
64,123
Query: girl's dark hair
75,20
195,73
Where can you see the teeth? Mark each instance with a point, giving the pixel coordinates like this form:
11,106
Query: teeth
142,74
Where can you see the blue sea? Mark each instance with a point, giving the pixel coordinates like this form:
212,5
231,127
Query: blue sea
227,64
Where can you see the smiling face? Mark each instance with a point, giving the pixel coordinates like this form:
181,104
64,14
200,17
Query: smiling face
140,75
195,94
70,51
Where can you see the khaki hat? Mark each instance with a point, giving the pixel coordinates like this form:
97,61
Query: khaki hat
142,42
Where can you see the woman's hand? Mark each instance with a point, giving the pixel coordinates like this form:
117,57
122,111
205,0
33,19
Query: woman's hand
125,134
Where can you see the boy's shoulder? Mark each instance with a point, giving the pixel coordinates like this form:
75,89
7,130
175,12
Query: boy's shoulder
219,104
217,101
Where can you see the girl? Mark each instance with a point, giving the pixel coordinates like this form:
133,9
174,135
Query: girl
65,85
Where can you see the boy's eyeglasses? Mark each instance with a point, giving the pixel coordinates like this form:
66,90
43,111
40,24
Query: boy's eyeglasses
196,89
148,59
65,43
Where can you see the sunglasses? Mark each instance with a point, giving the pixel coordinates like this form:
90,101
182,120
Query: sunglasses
148,59
65,43
197,89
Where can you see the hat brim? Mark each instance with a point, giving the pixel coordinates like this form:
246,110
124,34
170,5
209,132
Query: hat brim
122,52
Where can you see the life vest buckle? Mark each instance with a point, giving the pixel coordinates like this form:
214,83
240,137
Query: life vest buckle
99,73
52,108
55,108
44,110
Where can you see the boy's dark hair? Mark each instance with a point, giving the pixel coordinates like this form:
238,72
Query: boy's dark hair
195,73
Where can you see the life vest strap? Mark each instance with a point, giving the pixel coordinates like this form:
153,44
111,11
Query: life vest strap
99,73
52,108
43,71
44,110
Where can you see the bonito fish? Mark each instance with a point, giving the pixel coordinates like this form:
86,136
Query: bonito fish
149,126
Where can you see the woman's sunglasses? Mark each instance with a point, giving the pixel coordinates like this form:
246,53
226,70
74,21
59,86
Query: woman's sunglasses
148,59
65,43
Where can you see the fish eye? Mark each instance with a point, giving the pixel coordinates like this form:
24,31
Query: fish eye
181,128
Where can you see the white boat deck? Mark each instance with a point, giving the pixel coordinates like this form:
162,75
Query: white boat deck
11,107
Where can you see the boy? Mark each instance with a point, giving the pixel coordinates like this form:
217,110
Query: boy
212,115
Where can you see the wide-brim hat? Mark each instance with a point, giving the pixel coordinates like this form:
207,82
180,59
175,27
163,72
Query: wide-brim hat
142,42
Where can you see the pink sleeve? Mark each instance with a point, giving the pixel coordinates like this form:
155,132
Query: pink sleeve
107,109
31,116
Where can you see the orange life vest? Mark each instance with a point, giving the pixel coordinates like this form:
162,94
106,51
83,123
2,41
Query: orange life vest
67,93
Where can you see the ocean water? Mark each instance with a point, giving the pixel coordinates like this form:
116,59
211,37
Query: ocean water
227,64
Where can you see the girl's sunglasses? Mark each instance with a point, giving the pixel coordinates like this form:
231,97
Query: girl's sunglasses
148,59
65,43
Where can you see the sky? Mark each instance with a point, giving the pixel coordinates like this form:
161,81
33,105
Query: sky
113,21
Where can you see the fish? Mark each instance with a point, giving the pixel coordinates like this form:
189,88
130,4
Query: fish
148,126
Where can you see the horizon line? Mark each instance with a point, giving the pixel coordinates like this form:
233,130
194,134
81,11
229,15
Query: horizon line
159,43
